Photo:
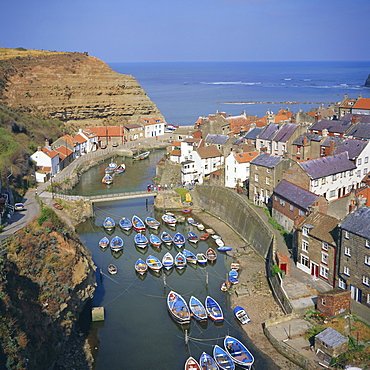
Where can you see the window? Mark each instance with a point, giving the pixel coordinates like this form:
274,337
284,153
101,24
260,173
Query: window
346,271
282,202
334,177
365,171
365,280
323,181
291,207
305,231
347,251
351,173
324,272
368,299
255,177
358,173
367,244
367,260
267,181
346,234
323,301
324,246
298,150
305,260
276,198
305,244
332,193
324,258
342,284
316,183
366,160
276,145
301,212
359,161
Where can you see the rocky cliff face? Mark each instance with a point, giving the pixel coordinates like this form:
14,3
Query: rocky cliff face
75,88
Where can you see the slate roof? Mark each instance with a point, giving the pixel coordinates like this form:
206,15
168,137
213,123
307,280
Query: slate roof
285,132
327,141
310,137
357,117
132,126
331,337
267,160
337,126
352,146
326,166
360,131
269,132
323,225
216,139
209,152
253,133
295,194
358,222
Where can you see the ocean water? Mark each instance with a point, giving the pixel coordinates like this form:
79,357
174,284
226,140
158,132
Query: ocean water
185,91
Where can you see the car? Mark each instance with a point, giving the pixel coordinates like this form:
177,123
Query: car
18,207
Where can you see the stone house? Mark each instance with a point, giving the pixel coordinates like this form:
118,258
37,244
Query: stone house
109,134
283,139
237,167
213,124
306,146
361,129
70,143
133,131
315,240
264,139
354,257
221,142
334,302
333,127
346,106
331,342
251,136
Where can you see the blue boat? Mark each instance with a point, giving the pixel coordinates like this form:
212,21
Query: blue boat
241,314
213,309
207,362
111,167
238,352
104,242
141,240
233,273
138,223
192,237
178,308
180,261
190,256
169,220
166,238
141,267
109,224
125,224
155,241
154,263
197,309
224,249
223,359
116,244
121,168
152,223
179,240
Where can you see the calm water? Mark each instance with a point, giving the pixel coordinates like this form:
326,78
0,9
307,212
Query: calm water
138,332
185,91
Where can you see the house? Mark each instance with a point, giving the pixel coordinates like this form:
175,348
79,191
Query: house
290,202
333,127
264,139
282,141
153,126
109,134
65,156
306,146
187,146
47,163
328,144
354,257
251,135
346,106
133,131
69,142
91,140
241,123
330,342
315,242
334,302
220,142
213,124
360,130
362,106
237,167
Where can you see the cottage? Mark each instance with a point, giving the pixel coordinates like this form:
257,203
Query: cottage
237,166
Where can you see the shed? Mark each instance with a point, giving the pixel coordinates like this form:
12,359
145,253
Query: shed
330,342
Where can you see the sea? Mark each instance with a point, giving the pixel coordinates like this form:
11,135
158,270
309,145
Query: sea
184,91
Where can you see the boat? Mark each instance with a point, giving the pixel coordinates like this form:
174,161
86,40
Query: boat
178,308
116,244
233,273
233,280
200,226
219,242
168,261
152,223
241,314
190,220
112,269
197,309
179,240
201,258
179,218
187,210
211,255
204,236
214,236
214,310
224,249
111,167
125,224
141,240
120,169
225,286
207,362
141,156
104,242
210,231
169,220
190,256
109,224
141,267
193,238
180,261
155,241
192,364
154,263
166,238
238,352
138,223
222,358
235,266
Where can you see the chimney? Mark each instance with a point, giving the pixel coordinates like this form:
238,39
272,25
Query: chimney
359,96
332,146
345,96
305,140
46,143
39,148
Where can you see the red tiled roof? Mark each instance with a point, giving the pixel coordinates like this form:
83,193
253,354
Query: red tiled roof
79,139
110,131
176,153
151,121
366,194
49,153
63,152
245,157
363,103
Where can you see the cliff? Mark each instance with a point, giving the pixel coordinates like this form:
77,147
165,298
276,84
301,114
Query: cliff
367,82
73,87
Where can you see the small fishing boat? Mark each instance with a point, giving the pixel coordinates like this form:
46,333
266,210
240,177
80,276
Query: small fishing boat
211,255
154,263
109,224
141,156
141,240
166,238
107,179
116,244
169,220
178,308
214,236
224,249
190,256
138,223
210,231
111,167
214,310
125,224
233,273
219,242
235,266
104,242
192,364
180,261
207,362
233,280
200,226
238,352
112,269
155,241
197,309
187,210
225,286
179,218
241,314
201,258
120,169
179,240
152,223
204,236
223,359
141,267
190,220
168,261
193,238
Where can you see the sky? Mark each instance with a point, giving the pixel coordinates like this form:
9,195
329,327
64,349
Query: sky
192,30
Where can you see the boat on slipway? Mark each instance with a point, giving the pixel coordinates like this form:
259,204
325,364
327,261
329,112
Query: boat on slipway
241,314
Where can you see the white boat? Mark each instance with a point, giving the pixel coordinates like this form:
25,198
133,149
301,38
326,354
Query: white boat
197,309
219,242
111,167
180,261
169,220
178,308
168,261
201,258
112,269
141,267
120,168
116,244
152,223
241,315
107,179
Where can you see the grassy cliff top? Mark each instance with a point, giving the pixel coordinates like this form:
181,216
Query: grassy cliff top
7,53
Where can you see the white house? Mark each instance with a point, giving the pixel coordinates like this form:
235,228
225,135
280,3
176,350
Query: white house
237,168
92,140
154,126
47,163
187,147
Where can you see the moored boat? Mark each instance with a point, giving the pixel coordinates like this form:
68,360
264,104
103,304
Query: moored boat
224,249
192,364
204,236
125,224
141,240
192,237
155,241
190,220
179,240
168,261
214,310
107,179
190,256
207,362
141,267
166,238
180,261
109,224
225,286
223,359
241,314
200,226
111,167
178,308
152,223
169,220
141,156
201,258
179,218
112,269
138,223
238,352
211,255
120,168
219,242
197,309
187,210
104,242
154,263
116,244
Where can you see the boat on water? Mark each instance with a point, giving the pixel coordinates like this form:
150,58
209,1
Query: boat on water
178,308
219,242
201,258
190,256
107,179
121,168
141,240
190,220
104,242
200,226
207,362
224,249
204,236
187,210
197,309
141,156
111,167
225,286
155,241
180,261
168,261
179,240
179,218
211,255
125,224
152,223
238,352
112,269
166,238
192,237
116,244
109,224
214,310
222,358
141,267
154,263
241,314
138,223
192,364
169,220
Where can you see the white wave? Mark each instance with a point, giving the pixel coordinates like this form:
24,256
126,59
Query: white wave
287,79
231,83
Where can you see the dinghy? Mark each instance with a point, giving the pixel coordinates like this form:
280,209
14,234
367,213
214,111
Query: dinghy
192,364
180,261
187,210
200,226
107,179
111,167
104,242
197,309
138,223
204,236
120,169
116,244
224,249
211,255
166,238
178,308
125,224
190,220
190,256
112,269
223,359
179,218
241,315
141,156
201,258
141,240
109,224
155,241
214,310
154,263
152,223
169,220
238,352
193,238
207,362
235,266
219,242
141,267
168,261
179,240
225,286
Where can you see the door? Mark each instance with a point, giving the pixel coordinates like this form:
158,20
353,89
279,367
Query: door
356,294
314,269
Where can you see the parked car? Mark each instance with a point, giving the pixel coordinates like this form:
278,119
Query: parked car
18,207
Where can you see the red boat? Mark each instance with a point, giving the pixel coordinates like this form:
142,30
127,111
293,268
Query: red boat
204,237
187,210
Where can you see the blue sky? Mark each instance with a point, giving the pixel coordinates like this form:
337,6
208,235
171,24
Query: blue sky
191,30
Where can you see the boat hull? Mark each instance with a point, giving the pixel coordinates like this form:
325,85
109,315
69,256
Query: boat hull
178,308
